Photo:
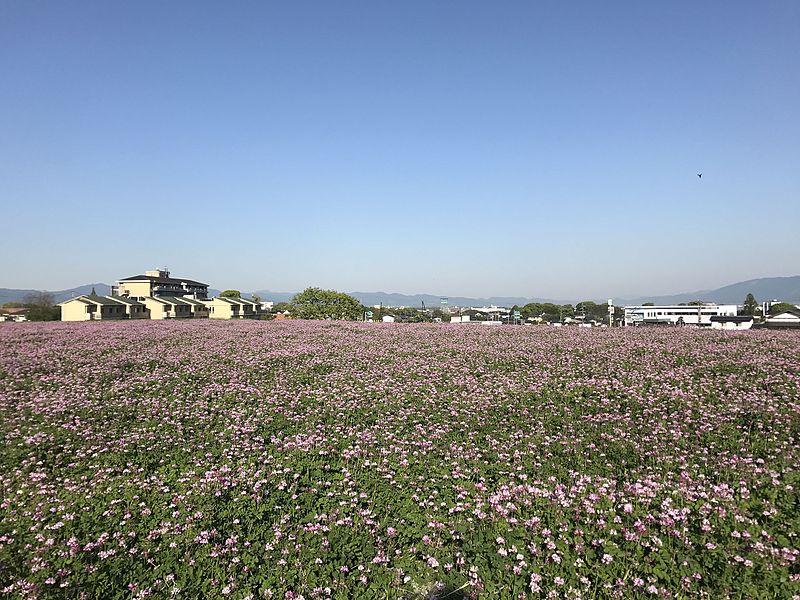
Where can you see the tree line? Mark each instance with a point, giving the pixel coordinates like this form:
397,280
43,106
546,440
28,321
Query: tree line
41,307
319,304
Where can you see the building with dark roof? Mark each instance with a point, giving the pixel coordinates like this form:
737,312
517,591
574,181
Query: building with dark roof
156,295
787,319
92,307
233,308
159,283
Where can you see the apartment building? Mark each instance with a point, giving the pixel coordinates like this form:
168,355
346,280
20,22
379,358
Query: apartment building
159,283
156,295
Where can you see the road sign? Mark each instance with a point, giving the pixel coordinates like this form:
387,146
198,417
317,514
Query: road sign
516,314
443,301
369,313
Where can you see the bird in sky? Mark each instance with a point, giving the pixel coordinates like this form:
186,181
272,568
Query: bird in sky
700,175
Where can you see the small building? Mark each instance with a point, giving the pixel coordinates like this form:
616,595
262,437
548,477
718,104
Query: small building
731,322
159,283
198,308
232,308
92,307
134,309
788,319
167,307
387,319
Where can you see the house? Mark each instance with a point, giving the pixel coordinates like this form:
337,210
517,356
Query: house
731,322
198,307
789,319
134,309
167,307
159,283
92,307
232,308
387,319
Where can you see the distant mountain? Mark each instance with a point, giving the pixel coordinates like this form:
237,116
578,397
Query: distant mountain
413,300
433,301
267,295
786,289
11,295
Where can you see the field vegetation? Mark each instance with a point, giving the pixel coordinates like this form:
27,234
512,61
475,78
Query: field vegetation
344,460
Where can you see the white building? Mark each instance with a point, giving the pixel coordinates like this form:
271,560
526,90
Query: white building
677,315
728,322
788,318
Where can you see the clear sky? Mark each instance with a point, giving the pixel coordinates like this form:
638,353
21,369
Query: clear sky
465,148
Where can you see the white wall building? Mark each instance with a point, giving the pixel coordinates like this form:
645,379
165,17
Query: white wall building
788,318
677,315
732,323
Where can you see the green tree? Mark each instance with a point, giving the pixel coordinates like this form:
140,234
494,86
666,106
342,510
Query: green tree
586,308
316,303
545,310
231,294
13,305
750,305
780,307
438,313
41,307
648,304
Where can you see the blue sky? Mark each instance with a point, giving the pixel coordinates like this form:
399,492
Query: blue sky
462,148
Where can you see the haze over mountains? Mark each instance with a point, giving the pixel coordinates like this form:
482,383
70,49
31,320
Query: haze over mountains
765,288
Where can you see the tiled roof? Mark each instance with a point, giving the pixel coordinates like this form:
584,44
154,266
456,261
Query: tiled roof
128,301
193,301
174,300
101,300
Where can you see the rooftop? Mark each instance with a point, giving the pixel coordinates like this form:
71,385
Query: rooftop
162,280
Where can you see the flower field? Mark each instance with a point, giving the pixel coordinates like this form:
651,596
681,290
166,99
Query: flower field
346,460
